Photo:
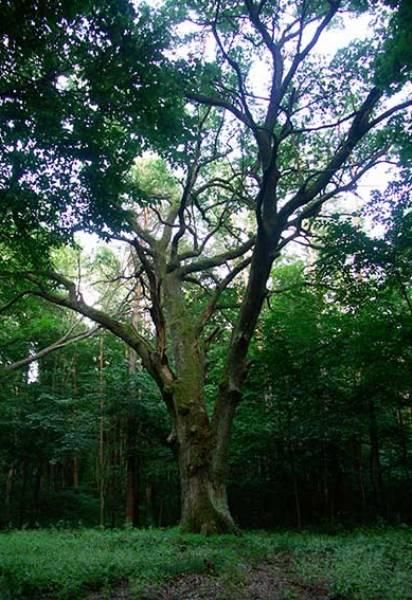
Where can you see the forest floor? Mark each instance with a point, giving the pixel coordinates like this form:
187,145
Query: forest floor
131,564
273,579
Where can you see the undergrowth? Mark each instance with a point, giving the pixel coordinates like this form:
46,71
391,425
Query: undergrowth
59,564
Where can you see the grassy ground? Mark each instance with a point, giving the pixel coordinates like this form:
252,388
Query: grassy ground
134,564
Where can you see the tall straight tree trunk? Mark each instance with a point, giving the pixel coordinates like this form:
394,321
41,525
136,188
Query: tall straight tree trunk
75,392
8,493
296,494
132,472
358,469
36,491
132,459
149,500
23,492
403,441
75,468
375,462
101,461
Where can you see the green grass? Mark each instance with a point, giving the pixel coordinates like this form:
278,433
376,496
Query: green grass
365,565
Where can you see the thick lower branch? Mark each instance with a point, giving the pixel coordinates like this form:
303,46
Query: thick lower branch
66,340
236,365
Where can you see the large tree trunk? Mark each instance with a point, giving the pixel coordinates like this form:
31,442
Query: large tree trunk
203,444
204,502
204,506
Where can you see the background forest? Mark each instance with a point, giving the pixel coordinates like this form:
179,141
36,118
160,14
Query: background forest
325,437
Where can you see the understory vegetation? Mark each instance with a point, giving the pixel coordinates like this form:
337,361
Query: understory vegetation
362,565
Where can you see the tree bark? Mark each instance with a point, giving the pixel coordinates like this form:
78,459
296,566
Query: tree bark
375,463
23,492
204,505
75,470
132,425
132,467
8,494
296,494
101,450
